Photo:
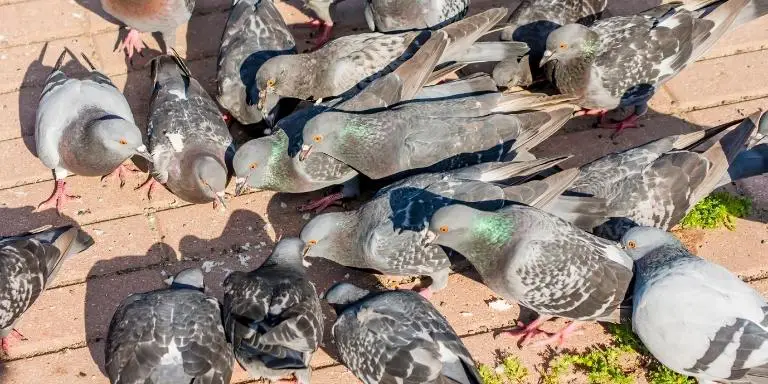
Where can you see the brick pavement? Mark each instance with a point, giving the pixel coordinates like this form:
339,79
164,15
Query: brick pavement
138,242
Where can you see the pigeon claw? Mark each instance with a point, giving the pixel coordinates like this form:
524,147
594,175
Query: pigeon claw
320,205
560,336
58,198
629,122
425,293
324,37
119,174
132,43
149,186
528,332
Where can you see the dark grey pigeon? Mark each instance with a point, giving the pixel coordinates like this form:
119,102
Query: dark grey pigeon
754,160
543,262
620,61
696,317
408,15
397,337
347,61
162,16
656,184
28,264
255,33
393,225
272,315
84,126
171,335
188,138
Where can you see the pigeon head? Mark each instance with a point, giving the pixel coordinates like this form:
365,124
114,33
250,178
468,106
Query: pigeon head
468,230
327,236
282,76
191,278
569,42
254,160
288,251
325,131
119,137
211,178
640,241
342,295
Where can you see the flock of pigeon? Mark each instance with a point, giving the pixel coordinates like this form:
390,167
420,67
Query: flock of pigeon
581,244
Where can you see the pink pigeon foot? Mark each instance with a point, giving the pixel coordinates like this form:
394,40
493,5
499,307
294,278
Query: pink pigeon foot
591,112
132,43
314,23
529,331
325,35
58,197
120,173
425,293
149,186
227,117
629,122
320,205
6,344
560,336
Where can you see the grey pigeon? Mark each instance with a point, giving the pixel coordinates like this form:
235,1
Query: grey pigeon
656,184
543,262
696,317
347,61
255,32
620,61
397,337
753,161
533,20
162,16
171,335
28,264
84,126
272,315
407,15
188,138
393,224
324,21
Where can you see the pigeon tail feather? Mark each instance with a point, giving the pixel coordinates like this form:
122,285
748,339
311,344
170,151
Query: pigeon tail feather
532,136
492,51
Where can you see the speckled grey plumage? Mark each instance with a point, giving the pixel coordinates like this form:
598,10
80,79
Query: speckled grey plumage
543,262
81,122
397,337
28,264
272,315
620,61
407,15
343,63
188,138
714,327
389,232
655,184
171,335
162,16
255,32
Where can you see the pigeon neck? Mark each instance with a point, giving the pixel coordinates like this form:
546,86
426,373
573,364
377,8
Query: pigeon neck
659,260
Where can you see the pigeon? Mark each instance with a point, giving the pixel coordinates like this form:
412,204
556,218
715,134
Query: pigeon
719,330
408,15
171,335
753,161
324,21
397,337
255,32
543,262
533,20
656,184
620,61
345,62
84,126
188,138
394,222
28,263
272,315
162,16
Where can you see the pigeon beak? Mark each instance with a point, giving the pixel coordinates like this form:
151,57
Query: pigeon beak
548,56
220,198
241,185
305,151
144,153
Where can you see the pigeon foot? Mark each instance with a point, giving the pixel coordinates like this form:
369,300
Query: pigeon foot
425,293
629,122
560,336
325,35
120,173
132,43
320,205
591,112
58,197
6,344
149,186
529,331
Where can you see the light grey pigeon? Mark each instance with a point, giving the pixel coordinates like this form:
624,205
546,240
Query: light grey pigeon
171,335
408,15
162,16
695,316
84,126
28,263
324,21
393,224
657,183
347,61
533,20
272,315
620,61
255,32
397,337
188,138
543,262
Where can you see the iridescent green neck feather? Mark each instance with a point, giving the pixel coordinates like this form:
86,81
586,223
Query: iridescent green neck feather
493,229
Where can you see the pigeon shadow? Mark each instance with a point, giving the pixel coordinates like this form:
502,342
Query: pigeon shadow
14,221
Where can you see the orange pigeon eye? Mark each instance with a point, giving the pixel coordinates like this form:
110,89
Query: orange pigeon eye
631,244
271,83
563,46
253,165
312,242
123,141
317,139
444,229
